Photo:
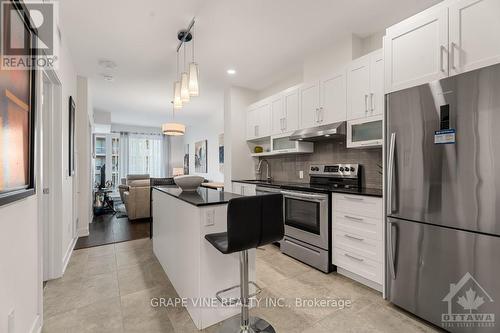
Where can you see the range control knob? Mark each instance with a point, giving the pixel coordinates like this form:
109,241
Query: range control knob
352,169
341,169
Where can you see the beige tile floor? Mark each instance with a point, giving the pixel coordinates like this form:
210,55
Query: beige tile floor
109,288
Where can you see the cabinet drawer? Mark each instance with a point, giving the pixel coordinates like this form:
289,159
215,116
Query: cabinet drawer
366,247
363,226
357,204
358,264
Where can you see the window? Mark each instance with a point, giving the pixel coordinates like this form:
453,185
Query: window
145,156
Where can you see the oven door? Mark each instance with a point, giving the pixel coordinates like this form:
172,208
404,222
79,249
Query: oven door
306,217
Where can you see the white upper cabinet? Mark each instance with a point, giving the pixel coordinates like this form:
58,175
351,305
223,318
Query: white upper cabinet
277,114
309,105
291,109
285,111
333,98
358,88
365,86
416,50
323,102
377,93
474,28
259,120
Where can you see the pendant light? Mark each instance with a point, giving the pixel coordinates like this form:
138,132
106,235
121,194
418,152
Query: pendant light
177,89
173,128
193,74
184,82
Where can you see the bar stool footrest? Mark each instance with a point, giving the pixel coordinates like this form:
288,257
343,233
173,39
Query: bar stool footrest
232,301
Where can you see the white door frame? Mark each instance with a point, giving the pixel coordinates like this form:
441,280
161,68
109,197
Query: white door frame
51,91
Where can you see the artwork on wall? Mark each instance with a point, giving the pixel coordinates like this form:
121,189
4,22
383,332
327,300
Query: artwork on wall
186,159
221,153
200,156
17,118
71,154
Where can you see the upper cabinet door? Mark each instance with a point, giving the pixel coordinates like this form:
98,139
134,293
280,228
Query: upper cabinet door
309,105
252,123
277,115
358,88
474,28
416,50
377,104
291,106
333,99
264,120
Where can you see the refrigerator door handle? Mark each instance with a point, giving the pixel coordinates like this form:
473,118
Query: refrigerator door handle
390,253
390,175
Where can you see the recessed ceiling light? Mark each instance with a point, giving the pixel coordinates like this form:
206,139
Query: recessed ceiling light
231,71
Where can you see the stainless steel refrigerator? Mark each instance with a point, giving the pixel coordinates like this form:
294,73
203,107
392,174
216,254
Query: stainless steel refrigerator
443,201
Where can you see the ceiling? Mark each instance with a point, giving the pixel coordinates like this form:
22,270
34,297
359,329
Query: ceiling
264,40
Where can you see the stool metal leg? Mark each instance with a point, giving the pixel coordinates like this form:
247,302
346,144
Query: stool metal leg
244,323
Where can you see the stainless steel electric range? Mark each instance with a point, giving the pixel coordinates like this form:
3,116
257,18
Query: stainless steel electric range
307,212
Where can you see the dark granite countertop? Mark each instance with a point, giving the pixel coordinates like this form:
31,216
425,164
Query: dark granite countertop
372,192
203,196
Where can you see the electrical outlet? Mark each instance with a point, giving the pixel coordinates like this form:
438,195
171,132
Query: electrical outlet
210,220
301,174
11,318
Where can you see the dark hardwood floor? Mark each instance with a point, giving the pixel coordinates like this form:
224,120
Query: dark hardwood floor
108,229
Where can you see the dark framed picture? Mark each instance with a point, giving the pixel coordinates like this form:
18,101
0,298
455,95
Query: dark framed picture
200,156
17,111
71,136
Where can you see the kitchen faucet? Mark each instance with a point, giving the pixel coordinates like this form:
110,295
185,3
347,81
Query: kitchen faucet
268,171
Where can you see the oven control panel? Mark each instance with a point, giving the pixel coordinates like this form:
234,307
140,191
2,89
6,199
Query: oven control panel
334,170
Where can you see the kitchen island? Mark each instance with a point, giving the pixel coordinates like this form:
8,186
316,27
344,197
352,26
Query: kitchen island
195,268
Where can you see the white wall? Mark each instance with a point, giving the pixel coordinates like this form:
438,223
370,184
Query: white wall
206,129
67,75
176,153
20,284
84,148
238,162
329,59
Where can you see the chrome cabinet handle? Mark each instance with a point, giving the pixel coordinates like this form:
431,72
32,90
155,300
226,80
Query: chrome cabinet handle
390,172
441,58
390,255
355,238
317,115
353,218
452,55
371,102
366,103
322,113
353,257
284,124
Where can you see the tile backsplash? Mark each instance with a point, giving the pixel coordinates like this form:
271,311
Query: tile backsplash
287,167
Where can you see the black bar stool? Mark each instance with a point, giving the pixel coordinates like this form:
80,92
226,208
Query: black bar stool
251,222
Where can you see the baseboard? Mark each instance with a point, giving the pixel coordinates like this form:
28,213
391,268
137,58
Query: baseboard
83,232
37,325
68,254
360,279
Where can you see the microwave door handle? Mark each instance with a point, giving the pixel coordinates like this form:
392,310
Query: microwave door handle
390,175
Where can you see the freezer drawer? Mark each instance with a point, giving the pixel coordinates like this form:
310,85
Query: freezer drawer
446,276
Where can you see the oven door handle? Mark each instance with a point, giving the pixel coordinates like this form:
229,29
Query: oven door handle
303,196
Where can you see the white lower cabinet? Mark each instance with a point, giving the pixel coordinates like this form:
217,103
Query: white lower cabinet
244,188
358,245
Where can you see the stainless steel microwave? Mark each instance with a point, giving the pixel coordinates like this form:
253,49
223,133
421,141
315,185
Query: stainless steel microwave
365,132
